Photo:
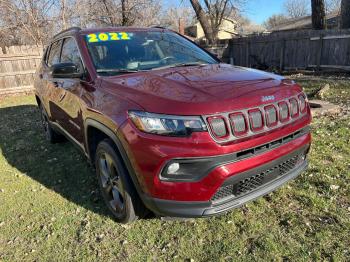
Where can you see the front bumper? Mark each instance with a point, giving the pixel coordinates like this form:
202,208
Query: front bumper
216,207
149,156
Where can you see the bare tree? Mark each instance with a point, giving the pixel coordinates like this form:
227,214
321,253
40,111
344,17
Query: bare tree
318,14
345,14
203,19
274,21
27,19
332,6
212,14
296,8
34,21
124,12
172,16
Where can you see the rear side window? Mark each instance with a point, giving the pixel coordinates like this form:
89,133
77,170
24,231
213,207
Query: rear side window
54,55
70,53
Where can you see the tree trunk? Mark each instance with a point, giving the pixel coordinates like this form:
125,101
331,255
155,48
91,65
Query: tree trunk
204,21
345,14
318,14
63,14
124,13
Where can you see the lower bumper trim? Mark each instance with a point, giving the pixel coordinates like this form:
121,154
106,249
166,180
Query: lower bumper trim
207,208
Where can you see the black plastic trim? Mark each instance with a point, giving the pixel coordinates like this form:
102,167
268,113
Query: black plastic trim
66,134
208,208
197,168
93,123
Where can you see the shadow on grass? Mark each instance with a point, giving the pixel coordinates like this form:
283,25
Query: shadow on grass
59,167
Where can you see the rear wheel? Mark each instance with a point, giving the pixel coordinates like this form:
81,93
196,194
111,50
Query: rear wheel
116,186
51,135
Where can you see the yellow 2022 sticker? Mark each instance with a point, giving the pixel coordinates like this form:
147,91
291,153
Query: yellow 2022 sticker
108,36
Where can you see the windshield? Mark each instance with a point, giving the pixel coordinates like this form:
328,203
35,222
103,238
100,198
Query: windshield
123,52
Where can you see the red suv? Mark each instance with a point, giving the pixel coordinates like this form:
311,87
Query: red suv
167,126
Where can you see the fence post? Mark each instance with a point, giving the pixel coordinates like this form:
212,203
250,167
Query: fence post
231,51
320,51
247,54
282,55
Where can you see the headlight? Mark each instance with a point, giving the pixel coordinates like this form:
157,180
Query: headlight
167,124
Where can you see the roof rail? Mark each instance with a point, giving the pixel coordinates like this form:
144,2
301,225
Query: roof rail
158,26
74,29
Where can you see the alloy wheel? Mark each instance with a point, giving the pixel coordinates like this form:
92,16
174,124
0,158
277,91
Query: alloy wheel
111,183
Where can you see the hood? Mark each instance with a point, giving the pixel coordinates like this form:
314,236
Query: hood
199,90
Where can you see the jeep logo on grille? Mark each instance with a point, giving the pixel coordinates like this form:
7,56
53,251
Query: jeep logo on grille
267,98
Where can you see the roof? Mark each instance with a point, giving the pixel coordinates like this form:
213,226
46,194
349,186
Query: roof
300,22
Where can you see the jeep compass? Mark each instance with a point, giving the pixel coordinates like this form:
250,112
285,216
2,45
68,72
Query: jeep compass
166,125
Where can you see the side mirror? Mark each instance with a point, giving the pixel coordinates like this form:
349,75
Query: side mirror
65,70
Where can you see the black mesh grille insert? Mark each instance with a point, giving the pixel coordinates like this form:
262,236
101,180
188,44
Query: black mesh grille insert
219,127
250,184
284,111
294,110
256,119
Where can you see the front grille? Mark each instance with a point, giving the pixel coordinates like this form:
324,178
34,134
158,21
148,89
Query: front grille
238,123
294,107
230,126
252,183
256,120
271,115
284,111
219,127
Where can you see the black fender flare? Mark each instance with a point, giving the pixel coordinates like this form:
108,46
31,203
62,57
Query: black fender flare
112,135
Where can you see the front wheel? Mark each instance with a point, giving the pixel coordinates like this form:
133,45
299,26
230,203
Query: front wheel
116,186
51,135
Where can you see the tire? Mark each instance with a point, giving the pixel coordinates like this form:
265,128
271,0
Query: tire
51,135
116,185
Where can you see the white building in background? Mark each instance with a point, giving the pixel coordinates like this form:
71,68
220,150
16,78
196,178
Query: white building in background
227,30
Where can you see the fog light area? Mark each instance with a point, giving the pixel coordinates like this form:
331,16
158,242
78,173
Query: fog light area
173,168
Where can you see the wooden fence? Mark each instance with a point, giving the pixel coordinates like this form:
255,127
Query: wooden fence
293,50
17,68
282,51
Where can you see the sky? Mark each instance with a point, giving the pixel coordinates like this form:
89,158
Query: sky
256,10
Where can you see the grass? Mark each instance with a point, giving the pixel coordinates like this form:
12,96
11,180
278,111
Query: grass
50,209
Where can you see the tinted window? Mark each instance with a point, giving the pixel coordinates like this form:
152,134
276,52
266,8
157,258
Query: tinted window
142,51
70,53
54,55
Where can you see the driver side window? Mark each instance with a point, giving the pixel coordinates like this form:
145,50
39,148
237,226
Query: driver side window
70,53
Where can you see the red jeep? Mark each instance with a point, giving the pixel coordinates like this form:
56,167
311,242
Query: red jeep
168,127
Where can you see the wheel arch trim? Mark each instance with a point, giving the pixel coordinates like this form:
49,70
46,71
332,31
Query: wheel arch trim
112,135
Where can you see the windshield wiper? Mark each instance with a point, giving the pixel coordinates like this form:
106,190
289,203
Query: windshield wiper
181,65
118,71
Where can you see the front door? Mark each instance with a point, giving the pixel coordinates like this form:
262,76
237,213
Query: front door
64,105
